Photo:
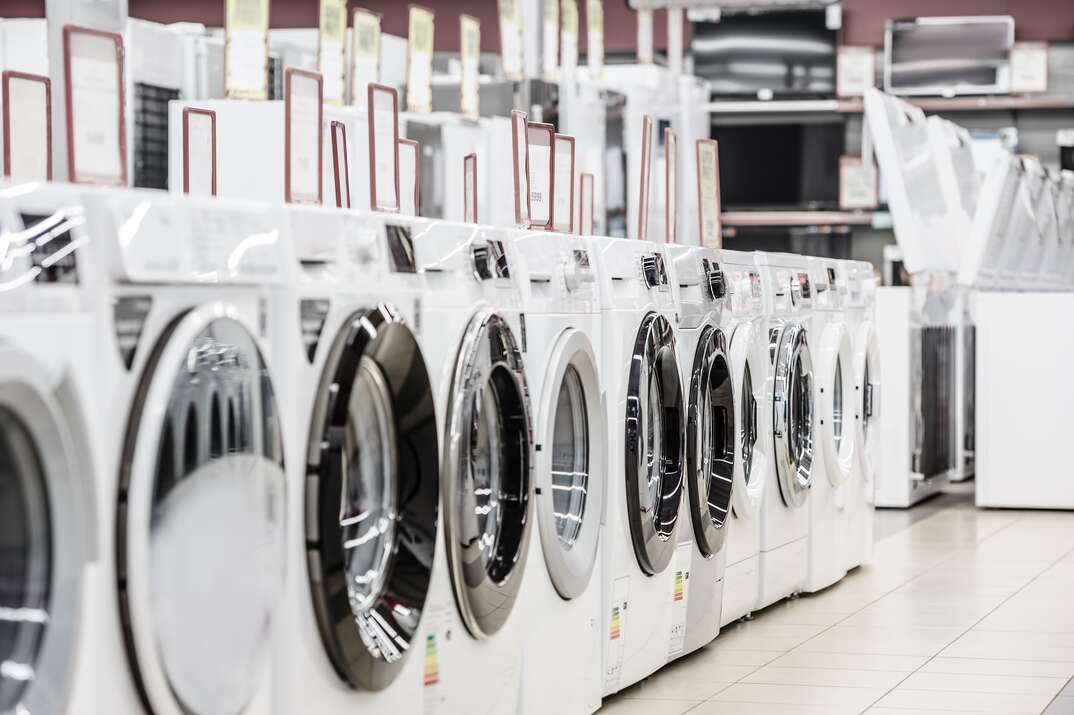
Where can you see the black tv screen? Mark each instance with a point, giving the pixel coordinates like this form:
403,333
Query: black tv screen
780,166
769,54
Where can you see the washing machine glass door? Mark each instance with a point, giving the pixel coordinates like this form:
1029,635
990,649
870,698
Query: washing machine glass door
867,400
373,484
200,526
837,409
42,544
793,415
750,464
654,444
487,479
710,441
570,466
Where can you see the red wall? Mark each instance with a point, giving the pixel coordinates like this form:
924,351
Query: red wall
863,20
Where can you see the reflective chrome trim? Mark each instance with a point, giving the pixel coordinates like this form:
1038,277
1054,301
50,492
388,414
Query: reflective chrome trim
793,415
710,441
487,479
367,640
654,444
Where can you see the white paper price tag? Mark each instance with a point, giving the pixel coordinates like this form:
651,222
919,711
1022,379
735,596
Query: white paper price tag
341,173
470,46
419,75
671,186
645,36
409,177
511,38
594,15
646,172
383,113
585,198
246,49
1029,68
550,40
303,97
855,71
857,184
199,152
568,38
94,106
27,127
521,160
332,49
541,160
563,187
365,54
469,188
708,193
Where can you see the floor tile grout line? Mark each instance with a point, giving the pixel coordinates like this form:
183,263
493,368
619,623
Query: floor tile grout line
978,621
1057,695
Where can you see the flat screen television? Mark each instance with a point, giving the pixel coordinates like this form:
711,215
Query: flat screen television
948,56
773,167
769,55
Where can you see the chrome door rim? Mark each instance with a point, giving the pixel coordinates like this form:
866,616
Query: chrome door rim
793,415
652,530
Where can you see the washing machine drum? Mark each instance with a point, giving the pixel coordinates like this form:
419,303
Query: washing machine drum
487,483
373,486
793,415
654,444
710,441
41,547
200,522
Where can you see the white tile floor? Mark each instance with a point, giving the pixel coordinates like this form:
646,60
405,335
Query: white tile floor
961,610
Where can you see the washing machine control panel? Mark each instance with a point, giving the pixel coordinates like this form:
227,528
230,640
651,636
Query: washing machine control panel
654,271
490,260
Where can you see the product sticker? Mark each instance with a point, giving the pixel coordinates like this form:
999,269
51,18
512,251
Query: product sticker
563,189
419,63
436,629
855,71
383,114
1029,68
521,158
594,15
585,227
646,170
708,193
671,186
331,52
680,593
617,624
246,49
341,173
303,96
550,40
409,177
542,167
365,54
199,152
94,64
470,86
568,37
469,188
857,184
27,126
511,38
645,36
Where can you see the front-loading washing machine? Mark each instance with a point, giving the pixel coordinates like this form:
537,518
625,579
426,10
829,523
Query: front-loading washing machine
861,494
791,417
711,435
561,599
834,457
191,483
473,336
643,607
363,471
748,354
49,575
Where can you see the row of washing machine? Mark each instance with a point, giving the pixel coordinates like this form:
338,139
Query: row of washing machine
268,459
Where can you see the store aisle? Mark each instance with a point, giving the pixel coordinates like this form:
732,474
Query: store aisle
961,611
